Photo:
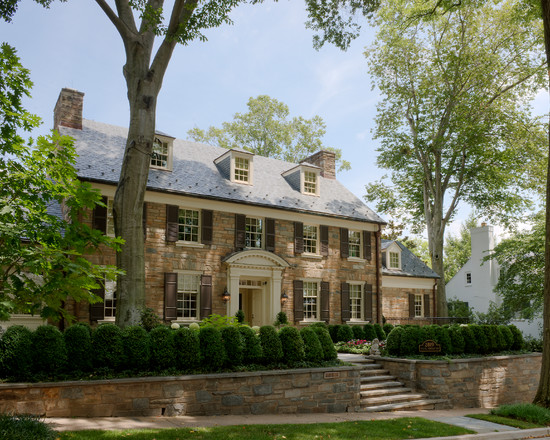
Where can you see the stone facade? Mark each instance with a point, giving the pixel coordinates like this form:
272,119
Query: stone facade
471,383
395,306
323,390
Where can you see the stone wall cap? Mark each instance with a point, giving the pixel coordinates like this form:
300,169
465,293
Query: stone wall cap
455,361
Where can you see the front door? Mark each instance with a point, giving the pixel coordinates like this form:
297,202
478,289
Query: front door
252,301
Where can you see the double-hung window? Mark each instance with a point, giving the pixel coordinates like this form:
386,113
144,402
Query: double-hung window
110,228
394,260
188,225
188,295
160,157
418,306
242,169
109,300
311,237
354,243
310,182
254,232
356,302
311,300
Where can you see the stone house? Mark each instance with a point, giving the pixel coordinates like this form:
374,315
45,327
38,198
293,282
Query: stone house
226,230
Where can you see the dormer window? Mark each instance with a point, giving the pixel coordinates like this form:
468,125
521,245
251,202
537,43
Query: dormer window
237,166
161,157
393,256
241,169
304,178
310,182
394,260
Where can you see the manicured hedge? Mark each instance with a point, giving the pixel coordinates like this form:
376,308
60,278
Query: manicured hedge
78,340
312,346
294,350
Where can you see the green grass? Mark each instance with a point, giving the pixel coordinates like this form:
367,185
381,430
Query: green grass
521,424
524,411
404,428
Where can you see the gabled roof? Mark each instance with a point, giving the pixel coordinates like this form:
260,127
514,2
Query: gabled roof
411,265
100,148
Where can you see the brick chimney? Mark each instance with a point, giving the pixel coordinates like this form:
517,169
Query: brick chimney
326,160
68,110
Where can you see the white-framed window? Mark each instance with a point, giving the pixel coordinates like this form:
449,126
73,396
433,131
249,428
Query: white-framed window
393,258
241,170
187,299
311,239
468,277
418,306
254,232
311,300
110,226
161,157
354,243
189,225
356,302
109,300
310,182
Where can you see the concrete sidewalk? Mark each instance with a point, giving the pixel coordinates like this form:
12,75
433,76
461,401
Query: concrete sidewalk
485,430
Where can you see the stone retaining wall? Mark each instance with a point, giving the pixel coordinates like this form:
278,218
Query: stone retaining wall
471,383
319,390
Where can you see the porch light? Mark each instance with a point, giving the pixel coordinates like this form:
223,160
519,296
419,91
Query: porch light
225,295
284,297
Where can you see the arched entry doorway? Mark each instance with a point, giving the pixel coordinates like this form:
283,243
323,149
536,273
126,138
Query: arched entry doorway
255,285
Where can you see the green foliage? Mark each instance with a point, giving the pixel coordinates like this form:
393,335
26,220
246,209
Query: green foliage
480,336
162,351
533,344
49,351
188,349
219,321
443,338
107,347
333,332
358,332
387,327
233,344
25,427
518,338
293,345
149,319
252,349
266,130
379,332
78,341
457,252
344,333
281,319
272,348
524,411
496,315
329,352
312,345
370,332
411,338
212,347
16,352
471,344
393,341
135,341
507,337
460,309
457,339
239,316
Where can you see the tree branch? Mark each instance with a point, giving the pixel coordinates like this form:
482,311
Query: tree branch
120,26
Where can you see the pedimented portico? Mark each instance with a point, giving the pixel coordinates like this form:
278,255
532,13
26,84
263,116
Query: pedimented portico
255,284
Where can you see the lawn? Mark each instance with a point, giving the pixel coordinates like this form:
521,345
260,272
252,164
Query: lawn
521,424
404,428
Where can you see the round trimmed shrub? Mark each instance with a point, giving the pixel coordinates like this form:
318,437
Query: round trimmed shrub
188,348
333,332
379,332
212,348
480,337
471,345
135,341
507,335
345,333
49,351
387,327
107,346
501,339
518,337
16,352
252,353
163,352
457,339
293,345
329,351
492,341
78,341
393,341
410,340
233,344
272,348
358,332
443,338
370,333
312,345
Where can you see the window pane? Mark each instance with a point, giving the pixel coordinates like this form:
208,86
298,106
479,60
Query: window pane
110,218
418,299
188,225
109,301
311,298
253,232
394,260
310,182
356,301
354,238
159,157
188,293
310,239
241,169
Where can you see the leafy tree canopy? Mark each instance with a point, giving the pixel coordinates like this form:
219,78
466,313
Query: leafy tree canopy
43,245
458,248
267,130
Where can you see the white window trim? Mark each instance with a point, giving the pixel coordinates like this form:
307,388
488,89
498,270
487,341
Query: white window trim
263,231
187,321
318,317
388,259
316,254
362,312
110,217
418,295
317,172
170,147
195,244
360,258
250,158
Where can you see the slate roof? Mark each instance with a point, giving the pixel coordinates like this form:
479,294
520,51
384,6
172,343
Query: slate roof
411,265
100,148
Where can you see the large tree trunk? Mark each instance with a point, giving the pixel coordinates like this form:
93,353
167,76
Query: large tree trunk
543,393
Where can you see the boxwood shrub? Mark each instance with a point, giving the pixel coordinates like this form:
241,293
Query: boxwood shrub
457,339
329,351
387,327
135,341
507,335
212,348
78,340
443,338
379,332
292,344
312,346
333,332
188,349
410,339
393,341
163,353
345,333
49,351
471,345
370,333
358,332
518,338
252,353
271,345
107,347
233,344
16,353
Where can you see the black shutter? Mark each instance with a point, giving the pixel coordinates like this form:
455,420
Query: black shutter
298,300
97,310
170,296
324,240
240,231
206,296
270,234
367,246
172,220
207,226
325,301
411,305
298,238
144,221
368,302
345,302
344,243
99,217
427,306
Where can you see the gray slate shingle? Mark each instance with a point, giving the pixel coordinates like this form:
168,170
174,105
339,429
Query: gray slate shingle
411,265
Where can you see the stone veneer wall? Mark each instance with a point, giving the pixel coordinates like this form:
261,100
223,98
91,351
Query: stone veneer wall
471,383
395,305
321,390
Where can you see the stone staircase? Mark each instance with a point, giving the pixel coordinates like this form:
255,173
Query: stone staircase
382,392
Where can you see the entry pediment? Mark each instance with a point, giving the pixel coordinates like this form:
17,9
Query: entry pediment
256,258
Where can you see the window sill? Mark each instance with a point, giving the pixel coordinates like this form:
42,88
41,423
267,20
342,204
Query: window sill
190,244
356,259
156,167
358,322
106,320
184,321
312,256
309,322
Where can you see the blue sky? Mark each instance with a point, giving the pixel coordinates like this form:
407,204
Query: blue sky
268,50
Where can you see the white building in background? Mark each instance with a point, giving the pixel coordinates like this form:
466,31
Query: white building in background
475,282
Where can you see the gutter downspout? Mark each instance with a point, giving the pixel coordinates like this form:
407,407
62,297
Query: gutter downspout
434,291
378,278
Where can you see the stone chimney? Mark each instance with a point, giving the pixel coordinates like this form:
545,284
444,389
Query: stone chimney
68,110
326,160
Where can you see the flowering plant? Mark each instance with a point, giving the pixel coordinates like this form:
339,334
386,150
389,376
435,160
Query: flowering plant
358,346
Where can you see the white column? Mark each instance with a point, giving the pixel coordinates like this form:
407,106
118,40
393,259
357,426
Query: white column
276,292
233,305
